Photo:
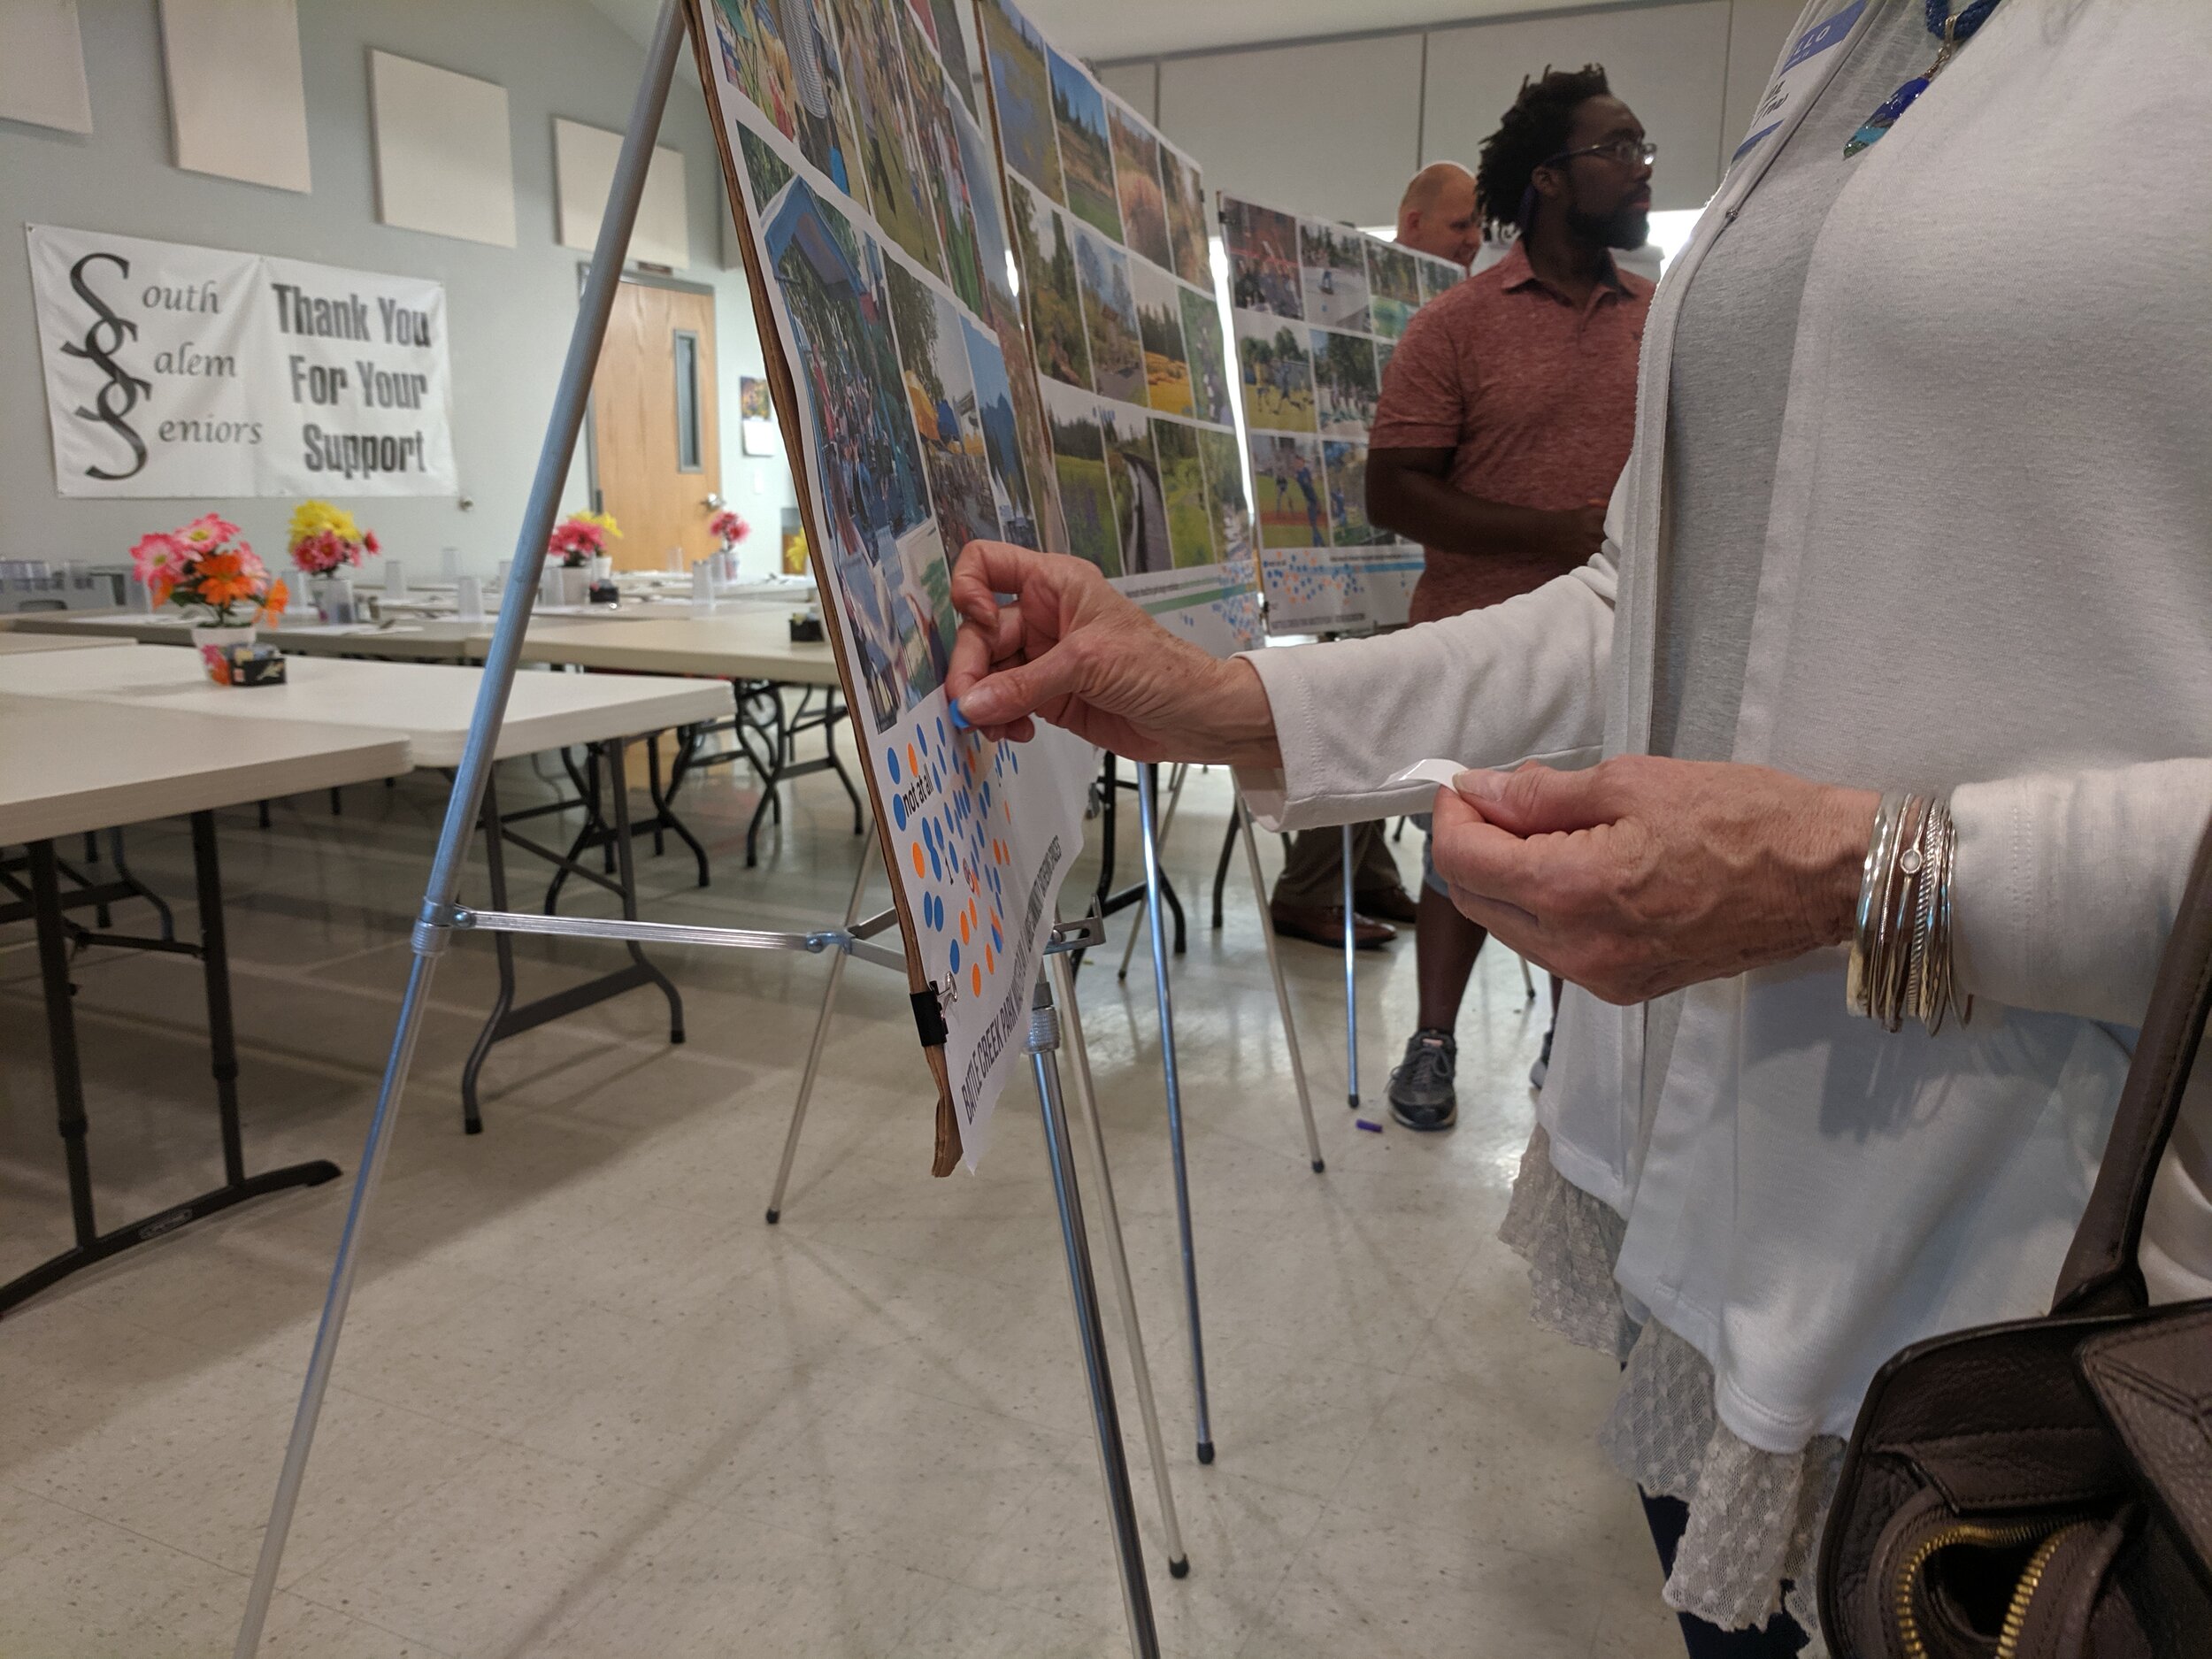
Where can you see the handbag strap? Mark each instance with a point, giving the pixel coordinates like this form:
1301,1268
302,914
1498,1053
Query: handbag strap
2101,1275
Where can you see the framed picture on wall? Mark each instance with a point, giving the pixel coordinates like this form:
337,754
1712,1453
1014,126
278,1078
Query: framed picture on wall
756,419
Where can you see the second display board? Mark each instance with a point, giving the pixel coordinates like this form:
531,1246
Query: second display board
1317,311
1107,221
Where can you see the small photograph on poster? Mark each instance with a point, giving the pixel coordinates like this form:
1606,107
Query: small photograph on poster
1046,249
1079,462
764,170
833,283
756,418
1002,441
1276,372
1109,307
1021,85
1167,375
1224,466
944,24
1437,276
1343,383
1140,503
1137,178
1393,288
1262,248
780,53
890,145
939,149
1190,529
1185,218
1286,471
1346,465
1332,264
921,603
1385,349
1086,156
941,391
1209,359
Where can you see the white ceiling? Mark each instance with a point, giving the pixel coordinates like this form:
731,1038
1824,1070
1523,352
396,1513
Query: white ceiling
1108,29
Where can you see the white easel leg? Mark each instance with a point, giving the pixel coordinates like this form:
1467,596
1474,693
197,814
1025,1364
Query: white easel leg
1282,986
1136,1594
1117,1258
1351,988
1146,786
821,1036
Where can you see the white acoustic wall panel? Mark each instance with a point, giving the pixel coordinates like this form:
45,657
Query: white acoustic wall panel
1136,84
584,161
1332,131
237,103
1757,30
444,158
41,65
1667,63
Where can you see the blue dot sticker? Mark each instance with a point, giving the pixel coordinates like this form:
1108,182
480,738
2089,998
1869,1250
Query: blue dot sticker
898,809
956,955
891,760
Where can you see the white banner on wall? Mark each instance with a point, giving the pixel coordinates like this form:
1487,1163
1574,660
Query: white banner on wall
181,370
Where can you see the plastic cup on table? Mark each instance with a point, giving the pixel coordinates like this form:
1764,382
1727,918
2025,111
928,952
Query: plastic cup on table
468,599
702,583
394,579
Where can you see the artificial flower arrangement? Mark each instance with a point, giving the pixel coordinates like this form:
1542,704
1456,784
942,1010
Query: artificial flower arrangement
209,563
210,566
582,537
728,529
325,539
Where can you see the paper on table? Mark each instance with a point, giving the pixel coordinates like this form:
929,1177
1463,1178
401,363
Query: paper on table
1440,773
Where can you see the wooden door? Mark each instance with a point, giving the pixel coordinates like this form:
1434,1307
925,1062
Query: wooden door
655,448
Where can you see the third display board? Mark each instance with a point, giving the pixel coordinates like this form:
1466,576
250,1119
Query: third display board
1107,221
1317,311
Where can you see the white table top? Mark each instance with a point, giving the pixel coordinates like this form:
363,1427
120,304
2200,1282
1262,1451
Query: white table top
14,643
428,705
68,766
750,644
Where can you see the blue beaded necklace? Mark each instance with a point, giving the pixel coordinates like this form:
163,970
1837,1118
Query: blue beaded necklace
1955,29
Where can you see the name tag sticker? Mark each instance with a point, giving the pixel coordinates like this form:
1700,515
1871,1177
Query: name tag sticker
1794,81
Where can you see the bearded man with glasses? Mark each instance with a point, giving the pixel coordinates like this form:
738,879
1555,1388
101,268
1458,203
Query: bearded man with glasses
1506,416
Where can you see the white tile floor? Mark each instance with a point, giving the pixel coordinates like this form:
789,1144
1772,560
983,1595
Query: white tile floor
589,1404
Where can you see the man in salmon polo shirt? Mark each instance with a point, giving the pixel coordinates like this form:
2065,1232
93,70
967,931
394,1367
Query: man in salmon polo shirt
1436,215
1506,416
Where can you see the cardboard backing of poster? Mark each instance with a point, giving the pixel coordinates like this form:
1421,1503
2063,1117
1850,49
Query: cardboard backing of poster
867,201
1317,311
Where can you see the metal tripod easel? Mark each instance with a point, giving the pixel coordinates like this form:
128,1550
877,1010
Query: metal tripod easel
440,917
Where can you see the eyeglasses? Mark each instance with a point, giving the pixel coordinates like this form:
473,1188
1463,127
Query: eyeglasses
1629,152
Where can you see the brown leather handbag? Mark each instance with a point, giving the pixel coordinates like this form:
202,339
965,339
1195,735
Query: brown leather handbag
2043,1489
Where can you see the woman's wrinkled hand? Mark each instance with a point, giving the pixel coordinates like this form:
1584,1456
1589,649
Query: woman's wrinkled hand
1642,875
1070,650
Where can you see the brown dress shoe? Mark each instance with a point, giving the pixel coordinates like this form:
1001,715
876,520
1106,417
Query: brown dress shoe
1324,925
1388,904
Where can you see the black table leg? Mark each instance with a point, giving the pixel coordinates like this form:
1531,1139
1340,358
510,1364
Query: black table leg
61,1026
1228,846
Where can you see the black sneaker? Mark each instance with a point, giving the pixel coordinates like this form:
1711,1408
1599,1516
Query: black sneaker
1421,1095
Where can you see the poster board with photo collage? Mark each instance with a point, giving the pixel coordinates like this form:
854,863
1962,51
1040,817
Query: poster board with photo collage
867,197
1107,221
1317,309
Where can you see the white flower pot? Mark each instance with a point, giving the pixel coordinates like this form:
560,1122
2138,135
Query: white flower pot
601,567
575,585
211,643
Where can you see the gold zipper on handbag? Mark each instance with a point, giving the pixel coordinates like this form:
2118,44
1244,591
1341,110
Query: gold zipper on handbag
1986,1535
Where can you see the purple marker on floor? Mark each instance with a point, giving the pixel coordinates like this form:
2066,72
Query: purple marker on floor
1362,1122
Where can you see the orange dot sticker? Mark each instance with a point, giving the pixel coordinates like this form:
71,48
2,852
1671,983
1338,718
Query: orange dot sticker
975,979
989,960
912,763
964,928
918,865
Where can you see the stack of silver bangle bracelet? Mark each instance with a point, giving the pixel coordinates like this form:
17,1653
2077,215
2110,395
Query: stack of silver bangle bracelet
1900,948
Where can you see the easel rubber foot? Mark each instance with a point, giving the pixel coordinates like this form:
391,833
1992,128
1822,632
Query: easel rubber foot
1205,1451
474,1127
1352,1100
774,1216
1179,1568
1318,1166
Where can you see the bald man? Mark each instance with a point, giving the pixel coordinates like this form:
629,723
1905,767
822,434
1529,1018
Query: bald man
1437,214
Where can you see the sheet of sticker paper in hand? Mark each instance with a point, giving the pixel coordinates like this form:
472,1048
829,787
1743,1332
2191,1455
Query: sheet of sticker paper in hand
868,198
1108,226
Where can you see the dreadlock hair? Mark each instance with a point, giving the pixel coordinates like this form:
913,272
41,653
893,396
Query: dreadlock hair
1529,135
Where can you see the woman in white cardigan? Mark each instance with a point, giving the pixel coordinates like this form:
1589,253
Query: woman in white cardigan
1907,594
